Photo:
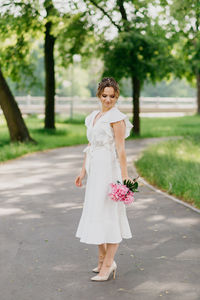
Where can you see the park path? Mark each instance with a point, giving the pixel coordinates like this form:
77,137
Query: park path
40,258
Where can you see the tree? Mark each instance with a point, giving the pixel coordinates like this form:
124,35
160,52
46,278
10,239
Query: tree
16,125
140,50
139,57
49,66
187,15
66,33
40,19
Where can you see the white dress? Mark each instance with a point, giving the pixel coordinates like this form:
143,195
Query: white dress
103,220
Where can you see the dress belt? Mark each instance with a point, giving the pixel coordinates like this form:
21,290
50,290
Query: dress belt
90,151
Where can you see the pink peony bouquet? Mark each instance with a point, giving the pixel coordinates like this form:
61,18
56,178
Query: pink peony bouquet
123,192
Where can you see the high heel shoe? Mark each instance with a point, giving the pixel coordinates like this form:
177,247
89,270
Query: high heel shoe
97,270
113,269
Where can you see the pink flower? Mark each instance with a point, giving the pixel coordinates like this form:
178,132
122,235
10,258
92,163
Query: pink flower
120,192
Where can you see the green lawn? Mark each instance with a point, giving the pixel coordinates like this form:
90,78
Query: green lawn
66,134
174,166
176,126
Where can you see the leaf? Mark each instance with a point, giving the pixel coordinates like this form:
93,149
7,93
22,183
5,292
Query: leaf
135,185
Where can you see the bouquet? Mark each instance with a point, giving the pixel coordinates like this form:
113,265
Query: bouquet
123,192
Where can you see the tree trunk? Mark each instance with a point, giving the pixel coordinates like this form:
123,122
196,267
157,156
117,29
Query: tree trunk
198,92
49,77
136,105
16,125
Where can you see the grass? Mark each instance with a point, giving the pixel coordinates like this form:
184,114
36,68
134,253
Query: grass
66,134
174,126
174,166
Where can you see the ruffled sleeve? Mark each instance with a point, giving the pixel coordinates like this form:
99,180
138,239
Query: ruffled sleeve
116,115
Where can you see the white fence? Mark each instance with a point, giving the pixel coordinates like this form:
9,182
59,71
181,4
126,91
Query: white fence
71,105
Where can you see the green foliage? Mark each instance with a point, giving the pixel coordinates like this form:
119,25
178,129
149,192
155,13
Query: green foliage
171,88
141,48
22,29
145,55
17,33
73,33
132,186
187,15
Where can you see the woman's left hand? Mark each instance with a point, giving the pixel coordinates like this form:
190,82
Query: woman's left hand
128,178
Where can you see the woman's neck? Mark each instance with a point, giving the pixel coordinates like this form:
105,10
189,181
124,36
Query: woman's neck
104,110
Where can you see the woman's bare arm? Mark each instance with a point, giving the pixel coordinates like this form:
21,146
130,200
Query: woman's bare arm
119,133
78,179
83,171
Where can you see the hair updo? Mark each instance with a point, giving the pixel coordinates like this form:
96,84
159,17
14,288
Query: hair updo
108,82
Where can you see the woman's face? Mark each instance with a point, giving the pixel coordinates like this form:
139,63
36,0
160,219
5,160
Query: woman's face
108,97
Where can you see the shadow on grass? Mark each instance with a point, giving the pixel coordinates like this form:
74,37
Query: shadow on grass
50,132
4,142
71,121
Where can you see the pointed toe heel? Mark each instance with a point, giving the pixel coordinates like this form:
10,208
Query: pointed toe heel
113,269
95,270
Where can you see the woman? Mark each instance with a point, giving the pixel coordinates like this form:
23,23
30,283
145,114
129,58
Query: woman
103,221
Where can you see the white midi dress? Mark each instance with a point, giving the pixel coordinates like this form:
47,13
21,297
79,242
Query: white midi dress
103,220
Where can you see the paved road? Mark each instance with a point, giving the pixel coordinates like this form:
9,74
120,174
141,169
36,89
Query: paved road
41,259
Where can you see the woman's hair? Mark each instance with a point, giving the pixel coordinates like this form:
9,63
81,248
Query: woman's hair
108,82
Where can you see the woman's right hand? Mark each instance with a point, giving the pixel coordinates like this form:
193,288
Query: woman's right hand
78,180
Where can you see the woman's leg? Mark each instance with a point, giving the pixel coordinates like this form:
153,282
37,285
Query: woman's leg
102,253
109,257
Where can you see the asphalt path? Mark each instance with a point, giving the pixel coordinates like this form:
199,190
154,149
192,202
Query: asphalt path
41,259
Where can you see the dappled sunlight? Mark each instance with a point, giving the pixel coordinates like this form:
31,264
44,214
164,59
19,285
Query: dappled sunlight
156,218
180,152
146,247
188,152
164,288
142,203
35,179
22,165
145,200
162,240
30,216
11,211
66,268
72,156
74,207
190,254
11,200
36,191
183,222
68,205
